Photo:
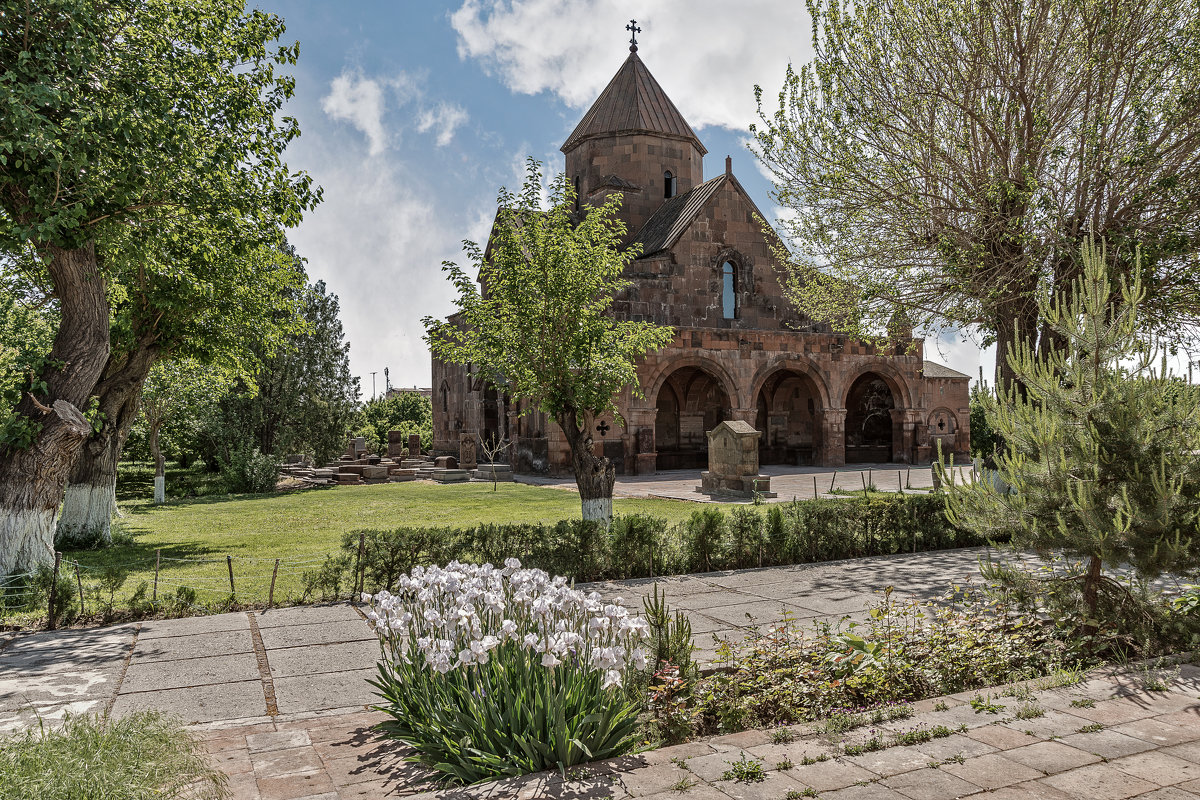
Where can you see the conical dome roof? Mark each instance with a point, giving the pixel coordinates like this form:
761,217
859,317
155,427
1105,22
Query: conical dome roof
633,102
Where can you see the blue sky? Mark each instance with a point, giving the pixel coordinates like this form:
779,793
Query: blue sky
414,114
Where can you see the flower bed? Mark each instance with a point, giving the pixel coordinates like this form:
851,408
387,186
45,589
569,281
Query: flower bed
491,672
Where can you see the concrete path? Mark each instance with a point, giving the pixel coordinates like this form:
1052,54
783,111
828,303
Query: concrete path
282,700
788,483
298,660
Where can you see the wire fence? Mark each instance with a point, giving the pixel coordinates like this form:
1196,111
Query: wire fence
171,583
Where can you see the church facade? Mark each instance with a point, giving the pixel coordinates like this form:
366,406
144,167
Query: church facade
741,351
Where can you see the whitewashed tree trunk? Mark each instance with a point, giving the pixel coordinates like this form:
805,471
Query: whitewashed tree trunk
33,479
87,512
594,475
90,502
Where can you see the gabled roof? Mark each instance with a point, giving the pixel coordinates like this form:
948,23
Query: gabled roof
633,102
673,217
931,369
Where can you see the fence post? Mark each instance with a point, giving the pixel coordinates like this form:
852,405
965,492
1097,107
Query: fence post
814,487
832,481
232,590
50,622
79,581
271,594
864,483
157,561
899,481
360,568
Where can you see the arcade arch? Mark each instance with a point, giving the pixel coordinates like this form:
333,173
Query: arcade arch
690,402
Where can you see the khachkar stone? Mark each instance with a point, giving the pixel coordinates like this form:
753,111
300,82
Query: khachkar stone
396,444
414,445
466,451
733,461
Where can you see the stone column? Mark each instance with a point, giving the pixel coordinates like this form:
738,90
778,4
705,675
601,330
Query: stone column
833,437
745,414
641,430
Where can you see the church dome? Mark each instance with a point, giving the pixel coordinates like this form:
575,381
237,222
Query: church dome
633,102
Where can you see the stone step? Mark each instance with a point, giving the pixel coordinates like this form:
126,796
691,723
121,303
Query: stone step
451,475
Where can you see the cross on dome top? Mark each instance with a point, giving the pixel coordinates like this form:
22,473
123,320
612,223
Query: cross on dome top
634,30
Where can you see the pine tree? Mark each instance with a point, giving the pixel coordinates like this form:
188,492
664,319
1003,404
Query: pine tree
1101,451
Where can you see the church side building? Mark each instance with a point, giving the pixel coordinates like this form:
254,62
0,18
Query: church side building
741,351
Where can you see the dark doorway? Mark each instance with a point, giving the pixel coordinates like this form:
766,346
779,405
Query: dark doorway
869,429
789,417
690,403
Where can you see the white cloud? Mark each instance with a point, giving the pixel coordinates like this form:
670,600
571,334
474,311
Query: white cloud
358,100
377,241
443,118
537,45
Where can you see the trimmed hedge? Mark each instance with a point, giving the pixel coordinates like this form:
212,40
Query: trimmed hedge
641,546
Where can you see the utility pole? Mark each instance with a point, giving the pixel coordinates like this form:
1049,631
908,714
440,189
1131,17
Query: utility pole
387,383
372,385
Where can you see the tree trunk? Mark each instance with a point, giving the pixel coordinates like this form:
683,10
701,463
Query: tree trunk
594,475
1091,593
160,463
1016,324
33,478
91,497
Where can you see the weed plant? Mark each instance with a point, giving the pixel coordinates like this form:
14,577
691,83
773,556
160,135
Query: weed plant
144,756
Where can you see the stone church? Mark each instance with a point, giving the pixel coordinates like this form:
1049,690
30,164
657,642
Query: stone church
741,350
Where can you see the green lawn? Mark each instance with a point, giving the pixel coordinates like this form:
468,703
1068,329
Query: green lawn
300,528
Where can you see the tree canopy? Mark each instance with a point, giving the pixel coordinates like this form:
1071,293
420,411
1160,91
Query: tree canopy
1099,456
539,322
946,158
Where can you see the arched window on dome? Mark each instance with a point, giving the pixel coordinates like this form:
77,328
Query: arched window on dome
728,291
670,184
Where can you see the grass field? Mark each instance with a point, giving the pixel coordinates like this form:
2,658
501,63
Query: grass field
193,537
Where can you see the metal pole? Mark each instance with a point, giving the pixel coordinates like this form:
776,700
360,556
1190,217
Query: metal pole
814,487
229,563
50,622
157,559
361,568
899,481
79,581
832,481
271,594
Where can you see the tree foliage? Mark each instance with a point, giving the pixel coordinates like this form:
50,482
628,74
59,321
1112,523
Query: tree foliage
302,399
407,412
1100,456
541,327
948,157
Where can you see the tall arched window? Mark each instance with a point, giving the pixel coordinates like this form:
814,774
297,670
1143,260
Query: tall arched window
670,184
728,292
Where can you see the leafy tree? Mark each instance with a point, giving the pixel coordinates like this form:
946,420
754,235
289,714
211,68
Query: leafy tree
948,157
542,326
1101,453
408,412
172,397
117,114
302,400
236,303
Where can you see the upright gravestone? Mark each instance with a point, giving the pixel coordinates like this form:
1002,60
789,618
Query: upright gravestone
414,445
395,444
466,451
360,446
733,461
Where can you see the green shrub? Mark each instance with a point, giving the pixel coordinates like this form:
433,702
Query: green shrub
249,472
641,546
704,535
139,757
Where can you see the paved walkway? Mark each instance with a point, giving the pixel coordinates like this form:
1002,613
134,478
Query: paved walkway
788,483
281,697
316,658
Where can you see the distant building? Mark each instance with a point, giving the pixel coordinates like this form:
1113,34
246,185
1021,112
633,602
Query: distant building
394,391
741,350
